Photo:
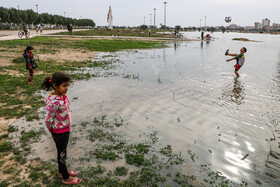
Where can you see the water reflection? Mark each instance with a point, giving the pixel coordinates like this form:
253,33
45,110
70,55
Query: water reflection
234,93
273,114
176,44
201,44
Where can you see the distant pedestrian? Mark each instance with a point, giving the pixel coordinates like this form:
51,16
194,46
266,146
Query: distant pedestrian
30,63
37,29
58,122
70,28
202,35
41,29
149,32
240,59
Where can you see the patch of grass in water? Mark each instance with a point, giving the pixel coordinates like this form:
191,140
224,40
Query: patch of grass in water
135,159
4,136
184,180
6,146
104,155
121,171
31,117
31,135
101,135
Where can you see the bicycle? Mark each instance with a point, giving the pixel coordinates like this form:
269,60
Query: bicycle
23,33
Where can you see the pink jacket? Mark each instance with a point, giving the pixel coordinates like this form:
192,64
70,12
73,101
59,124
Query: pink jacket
58,113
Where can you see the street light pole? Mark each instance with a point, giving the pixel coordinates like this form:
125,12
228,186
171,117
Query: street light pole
37,10
155,17
18,15
64,14
205,23
165,13
150,20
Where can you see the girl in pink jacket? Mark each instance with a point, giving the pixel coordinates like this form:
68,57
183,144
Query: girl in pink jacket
58,121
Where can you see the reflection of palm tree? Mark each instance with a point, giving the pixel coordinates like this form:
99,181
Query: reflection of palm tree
234,93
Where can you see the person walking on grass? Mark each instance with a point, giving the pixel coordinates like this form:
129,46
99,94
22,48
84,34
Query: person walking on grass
30,63
58,122
240,59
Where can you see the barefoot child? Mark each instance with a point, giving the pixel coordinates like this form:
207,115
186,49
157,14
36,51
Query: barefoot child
30,63
58,122
240,59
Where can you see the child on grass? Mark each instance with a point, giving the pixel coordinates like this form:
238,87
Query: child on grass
30,63
58,121
240,59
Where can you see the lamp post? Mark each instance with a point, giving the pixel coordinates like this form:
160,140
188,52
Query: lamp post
205,23
37,10
150,20
18,14
64,14
155,17
165,13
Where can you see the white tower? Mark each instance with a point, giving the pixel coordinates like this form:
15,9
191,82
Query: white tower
110,18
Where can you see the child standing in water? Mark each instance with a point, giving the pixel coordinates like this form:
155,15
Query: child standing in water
240,59
30,63
58,121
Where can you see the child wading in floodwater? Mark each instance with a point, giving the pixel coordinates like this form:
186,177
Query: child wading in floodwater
240,59
30,63
58,122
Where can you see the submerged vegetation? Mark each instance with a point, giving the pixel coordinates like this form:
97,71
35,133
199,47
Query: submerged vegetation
131,163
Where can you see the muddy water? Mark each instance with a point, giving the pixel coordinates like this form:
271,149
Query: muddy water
189,94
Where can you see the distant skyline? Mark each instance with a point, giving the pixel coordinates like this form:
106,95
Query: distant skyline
179,12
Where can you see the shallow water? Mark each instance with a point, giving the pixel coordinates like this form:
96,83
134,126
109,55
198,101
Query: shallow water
188,93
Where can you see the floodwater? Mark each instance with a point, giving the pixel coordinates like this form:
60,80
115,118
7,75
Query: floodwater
189,94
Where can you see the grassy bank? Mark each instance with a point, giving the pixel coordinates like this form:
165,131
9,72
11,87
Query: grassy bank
117,32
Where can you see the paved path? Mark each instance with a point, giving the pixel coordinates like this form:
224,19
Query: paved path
13,34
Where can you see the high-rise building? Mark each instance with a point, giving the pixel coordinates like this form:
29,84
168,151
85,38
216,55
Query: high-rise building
258,25
276,26
265,22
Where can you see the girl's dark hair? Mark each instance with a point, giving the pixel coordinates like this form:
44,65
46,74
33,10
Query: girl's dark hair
58,78
27,49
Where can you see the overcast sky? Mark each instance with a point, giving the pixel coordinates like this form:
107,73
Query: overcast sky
179,12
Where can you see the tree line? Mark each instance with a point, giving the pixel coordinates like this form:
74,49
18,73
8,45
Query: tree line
16,16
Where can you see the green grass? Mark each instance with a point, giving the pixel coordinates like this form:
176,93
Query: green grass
6,146
121,171
31,135
119,32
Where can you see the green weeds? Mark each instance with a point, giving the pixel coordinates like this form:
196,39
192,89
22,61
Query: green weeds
121,171
6,146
